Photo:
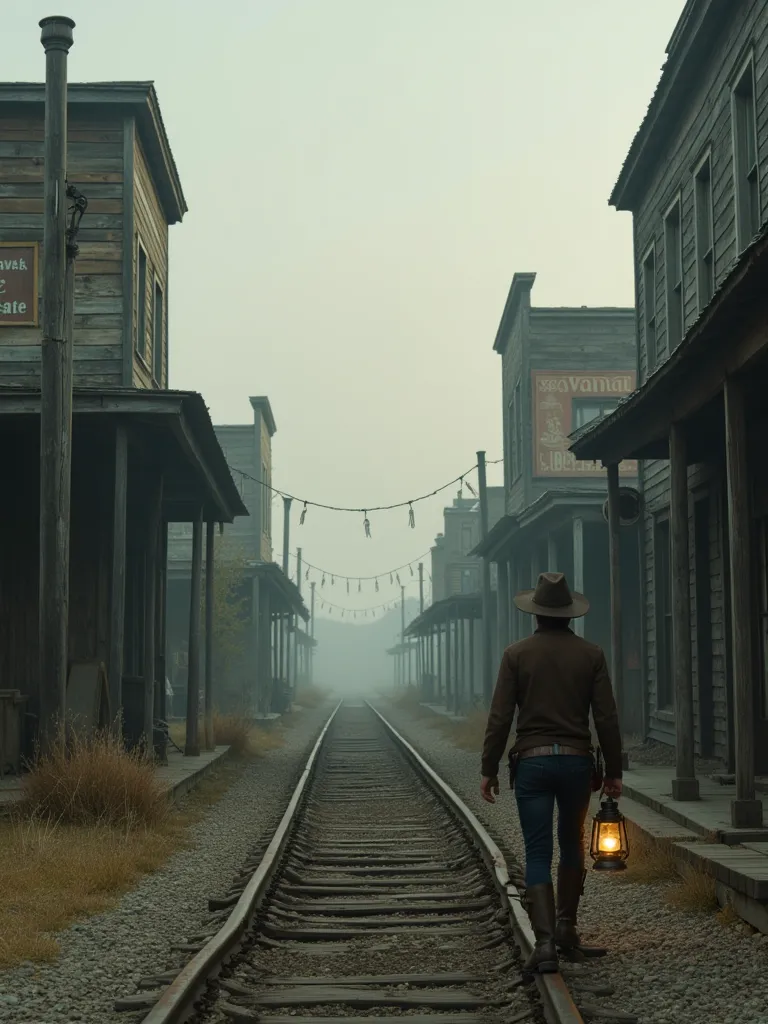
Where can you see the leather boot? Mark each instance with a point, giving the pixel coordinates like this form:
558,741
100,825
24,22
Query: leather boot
570,887
541,909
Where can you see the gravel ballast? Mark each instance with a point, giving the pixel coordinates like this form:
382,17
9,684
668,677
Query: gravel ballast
668,966
103,957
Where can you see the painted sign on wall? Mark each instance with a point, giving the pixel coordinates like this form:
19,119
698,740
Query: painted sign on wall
18,284
564,401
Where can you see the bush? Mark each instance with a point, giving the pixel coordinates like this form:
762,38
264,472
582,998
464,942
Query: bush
90,780
311,696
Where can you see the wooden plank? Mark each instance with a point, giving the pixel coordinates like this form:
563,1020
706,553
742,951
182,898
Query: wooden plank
614,549
747,811
35,205
21,170
152,541
192,746
112,267
684,786
117,595
20,353
128,249
98,286
76,151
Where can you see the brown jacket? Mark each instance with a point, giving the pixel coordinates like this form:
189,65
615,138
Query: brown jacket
553,678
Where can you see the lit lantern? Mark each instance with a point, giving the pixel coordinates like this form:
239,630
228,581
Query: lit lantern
609,847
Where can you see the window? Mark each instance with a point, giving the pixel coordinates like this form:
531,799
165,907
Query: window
467,582
649,308
705,238
747,190
519,428
673,256
663,597
141,304
514,472
466,538
157,335
584,410
266,500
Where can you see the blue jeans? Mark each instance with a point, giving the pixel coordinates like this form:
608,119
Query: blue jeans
539,783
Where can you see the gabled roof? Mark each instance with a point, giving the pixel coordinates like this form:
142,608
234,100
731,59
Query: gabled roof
698,30
131,98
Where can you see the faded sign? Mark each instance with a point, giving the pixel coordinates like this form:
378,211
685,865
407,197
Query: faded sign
18,284
564,401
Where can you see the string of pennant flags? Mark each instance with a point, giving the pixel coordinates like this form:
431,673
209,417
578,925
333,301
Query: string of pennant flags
355,583
372,612
306,504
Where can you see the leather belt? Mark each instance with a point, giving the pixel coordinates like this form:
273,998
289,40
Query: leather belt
555,748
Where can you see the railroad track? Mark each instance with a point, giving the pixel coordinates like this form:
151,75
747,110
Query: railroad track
379,895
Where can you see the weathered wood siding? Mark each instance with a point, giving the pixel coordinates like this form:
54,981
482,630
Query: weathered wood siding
151,232
95,162
514,374
263,522
706,125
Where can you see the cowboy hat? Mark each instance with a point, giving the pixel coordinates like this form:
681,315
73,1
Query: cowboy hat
552,597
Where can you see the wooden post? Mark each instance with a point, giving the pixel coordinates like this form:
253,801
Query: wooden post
578,568
617,627
746,810
312,648
150,610
439,687
210,742
286,532
551,554
461,689
56,394
502,596
257,688
685,785
117,593
192,746
161,701
472,624
487,625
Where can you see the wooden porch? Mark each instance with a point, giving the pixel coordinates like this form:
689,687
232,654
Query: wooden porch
140,459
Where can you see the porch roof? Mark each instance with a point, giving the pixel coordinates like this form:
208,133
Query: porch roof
173,429
557,503
289,597
462,606
724,340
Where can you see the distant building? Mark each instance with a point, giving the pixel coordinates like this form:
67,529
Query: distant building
696,182
562,368
271,650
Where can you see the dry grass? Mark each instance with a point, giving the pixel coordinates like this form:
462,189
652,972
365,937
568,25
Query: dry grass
94,781
311,696
694,891
467,733
236,732
56,872
650,861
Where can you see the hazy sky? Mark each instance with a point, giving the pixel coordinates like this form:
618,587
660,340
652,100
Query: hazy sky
364,177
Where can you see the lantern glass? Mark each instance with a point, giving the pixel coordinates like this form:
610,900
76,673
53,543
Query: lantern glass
609,847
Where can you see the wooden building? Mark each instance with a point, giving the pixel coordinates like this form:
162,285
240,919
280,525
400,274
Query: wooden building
142,456
273,653
696,183
448,657
562,368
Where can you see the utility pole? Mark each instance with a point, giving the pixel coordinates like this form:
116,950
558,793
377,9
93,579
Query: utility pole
56,393
420,660
487,631
286,532
297,646
402,630
421,588
312,625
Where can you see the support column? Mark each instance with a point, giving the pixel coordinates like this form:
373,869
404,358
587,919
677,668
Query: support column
578,568
161,708
487,625
462,627
617,628
551,554
192,746
685,786
502,614
472,624
117,594
746,810
210,742
150,610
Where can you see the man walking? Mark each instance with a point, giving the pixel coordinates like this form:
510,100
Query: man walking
553,679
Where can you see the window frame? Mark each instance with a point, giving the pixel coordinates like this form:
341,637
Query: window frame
705,257
577,403
651,323
674,286
157,370
141,306
744,231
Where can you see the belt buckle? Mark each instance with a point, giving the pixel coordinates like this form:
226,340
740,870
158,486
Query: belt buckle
555,748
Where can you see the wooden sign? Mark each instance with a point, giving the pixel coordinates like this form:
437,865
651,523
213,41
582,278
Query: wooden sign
564,401
18,284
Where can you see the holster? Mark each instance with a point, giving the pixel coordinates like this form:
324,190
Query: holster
598,773
513,759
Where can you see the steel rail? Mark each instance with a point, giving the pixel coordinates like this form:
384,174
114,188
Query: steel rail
176,1004
557,1001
